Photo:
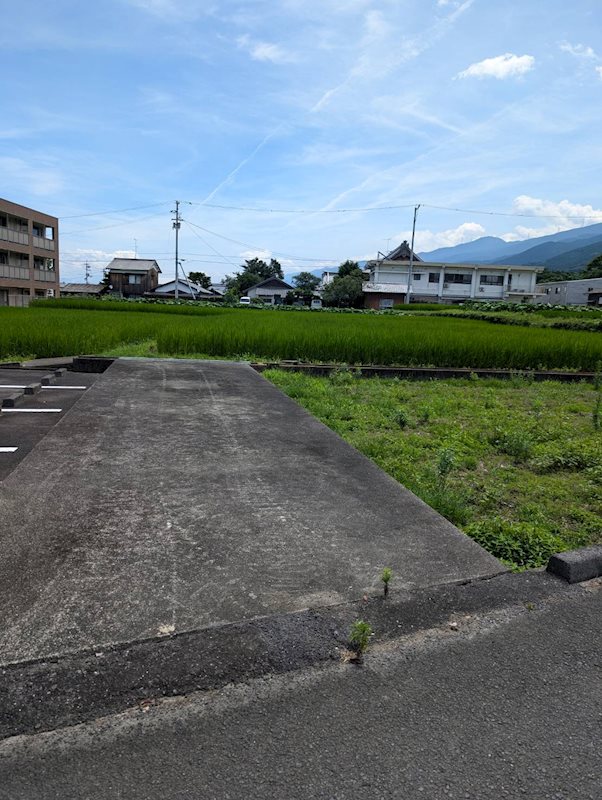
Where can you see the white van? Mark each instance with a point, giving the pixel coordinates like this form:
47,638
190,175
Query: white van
245,301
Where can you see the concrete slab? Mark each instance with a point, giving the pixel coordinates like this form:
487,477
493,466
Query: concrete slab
178,494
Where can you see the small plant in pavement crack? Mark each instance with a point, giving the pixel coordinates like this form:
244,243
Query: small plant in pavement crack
385,577
359,637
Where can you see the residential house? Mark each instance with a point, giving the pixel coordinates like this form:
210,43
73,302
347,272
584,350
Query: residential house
271,291
133,277
572,293
29,255
390,281
187,290
82,289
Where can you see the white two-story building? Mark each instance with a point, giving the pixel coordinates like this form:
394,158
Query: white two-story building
436,282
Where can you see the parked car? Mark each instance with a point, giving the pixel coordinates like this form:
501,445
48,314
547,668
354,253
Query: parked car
245,301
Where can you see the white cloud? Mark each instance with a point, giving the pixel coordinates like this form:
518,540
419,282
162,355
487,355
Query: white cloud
579,50
426,240
599,71
508,65
560,216
264,255
265,51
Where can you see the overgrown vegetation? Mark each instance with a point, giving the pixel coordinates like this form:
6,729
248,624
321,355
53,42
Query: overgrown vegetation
517,465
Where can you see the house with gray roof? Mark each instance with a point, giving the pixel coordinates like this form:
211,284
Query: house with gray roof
133,277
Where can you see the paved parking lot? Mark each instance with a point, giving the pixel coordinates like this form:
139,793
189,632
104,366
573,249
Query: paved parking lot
175,495
23,426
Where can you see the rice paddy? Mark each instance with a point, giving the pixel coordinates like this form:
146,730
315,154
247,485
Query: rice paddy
46,331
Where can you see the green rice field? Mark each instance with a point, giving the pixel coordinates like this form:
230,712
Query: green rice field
47,330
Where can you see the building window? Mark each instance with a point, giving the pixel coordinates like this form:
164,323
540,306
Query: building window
557,290
492,280
418,276
433,277
509,279
385,302
134,279
458,277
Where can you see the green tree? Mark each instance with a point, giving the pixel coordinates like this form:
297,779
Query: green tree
305,284
350,268
594,268
200,278
346,289
253,271
343,292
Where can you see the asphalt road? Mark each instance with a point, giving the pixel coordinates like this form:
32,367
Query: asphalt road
176,495
506,707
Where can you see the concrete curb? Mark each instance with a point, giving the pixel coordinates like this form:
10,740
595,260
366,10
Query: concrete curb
427,373
577,565
67,689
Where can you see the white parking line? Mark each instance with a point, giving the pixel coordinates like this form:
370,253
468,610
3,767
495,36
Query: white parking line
19,386
31,410
8,449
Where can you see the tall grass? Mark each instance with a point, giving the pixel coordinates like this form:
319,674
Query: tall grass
358,339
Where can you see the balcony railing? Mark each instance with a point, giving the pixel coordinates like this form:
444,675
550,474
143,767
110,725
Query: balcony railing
10,235
16,273
43,243
48,275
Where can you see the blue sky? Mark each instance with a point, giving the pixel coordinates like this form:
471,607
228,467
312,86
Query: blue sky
314,105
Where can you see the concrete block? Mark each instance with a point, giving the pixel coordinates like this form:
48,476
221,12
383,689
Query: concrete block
577,565
47,379
32,388
12,400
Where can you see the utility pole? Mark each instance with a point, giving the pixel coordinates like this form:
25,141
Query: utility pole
176,225
411,267
88,273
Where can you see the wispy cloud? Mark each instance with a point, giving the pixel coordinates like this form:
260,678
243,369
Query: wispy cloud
579,50
265,51
507,65
599,71
230,177
379,37
39,178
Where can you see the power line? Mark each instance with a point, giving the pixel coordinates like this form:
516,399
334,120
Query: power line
114,225
225,258
115,211
254,247
393,208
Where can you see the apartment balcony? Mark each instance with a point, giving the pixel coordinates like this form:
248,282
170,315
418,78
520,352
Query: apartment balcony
16,236
43,243
14,272
48,275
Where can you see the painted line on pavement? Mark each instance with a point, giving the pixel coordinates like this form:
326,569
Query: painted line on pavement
19,386
31,410
79,388
8,449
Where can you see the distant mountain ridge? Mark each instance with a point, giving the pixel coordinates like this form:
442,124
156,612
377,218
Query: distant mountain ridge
568,251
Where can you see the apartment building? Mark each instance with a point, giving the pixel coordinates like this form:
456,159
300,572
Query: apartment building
29,254
435,282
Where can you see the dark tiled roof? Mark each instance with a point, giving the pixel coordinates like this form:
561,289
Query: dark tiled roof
271,283
402,253
82,288
131,265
